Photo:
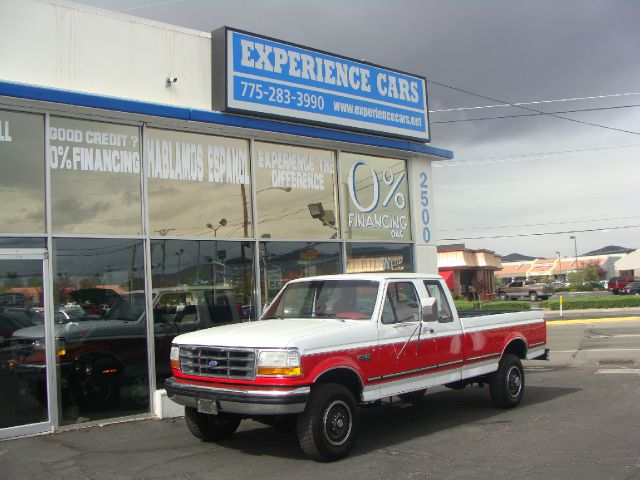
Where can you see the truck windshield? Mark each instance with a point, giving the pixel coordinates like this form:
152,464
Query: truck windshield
342,299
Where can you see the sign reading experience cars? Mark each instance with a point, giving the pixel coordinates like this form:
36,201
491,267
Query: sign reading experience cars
270,77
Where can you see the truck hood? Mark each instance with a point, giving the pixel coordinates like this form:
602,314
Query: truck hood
77,329
306,334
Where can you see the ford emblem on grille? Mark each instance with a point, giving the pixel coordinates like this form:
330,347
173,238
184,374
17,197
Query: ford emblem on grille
213,363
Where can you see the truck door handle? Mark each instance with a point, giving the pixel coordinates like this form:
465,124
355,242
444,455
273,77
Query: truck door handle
428,330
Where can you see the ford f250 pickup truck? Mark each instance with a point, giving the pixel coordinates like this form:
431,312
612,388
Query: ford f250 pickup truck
328,344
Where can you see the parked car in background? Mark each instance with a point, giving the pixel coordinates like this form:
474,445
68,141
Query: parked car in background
632,288
616,283
522,289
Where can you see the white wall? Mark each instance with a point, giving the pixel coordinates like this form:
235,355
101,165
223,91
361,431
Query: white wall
69,46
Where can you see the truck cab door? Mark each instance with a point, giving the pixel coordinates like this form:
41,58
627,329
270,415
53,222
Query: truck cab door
405,345
447,334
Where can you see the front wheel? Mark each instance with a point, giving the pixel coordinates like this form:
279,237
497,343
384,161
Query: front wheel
210,428
504,297
328,427
533,296
506,385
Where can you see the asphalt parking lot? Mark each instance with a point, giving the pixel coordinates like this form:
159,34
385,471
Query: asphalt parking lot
580,418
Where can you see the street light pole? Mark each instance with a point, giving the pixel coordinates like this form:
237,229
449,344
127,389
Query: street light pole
575,247
559,264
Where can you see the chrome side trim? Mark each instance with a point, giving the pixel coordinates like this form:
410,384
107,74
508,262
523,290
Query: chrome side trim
480,357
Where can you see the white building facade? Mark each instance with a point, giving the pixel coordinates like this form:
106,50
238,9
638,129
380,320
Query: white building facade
131,211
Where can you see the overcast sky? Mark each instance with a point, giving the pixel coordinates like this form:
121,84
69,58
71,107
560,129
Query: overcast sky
511,177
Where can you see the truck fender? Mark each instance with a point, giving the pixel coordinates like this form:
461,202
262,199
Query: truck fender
339,369
516,344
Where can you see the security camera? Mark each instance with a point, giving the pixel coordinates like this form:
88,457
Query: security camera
171,80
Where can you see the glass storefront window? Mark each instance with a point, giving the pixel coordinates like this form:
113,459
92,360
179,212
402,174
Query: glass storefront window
22,178
379,257
295,192
375,198
23,392
101,338
199,185
198,284
95,177
21,242
284,261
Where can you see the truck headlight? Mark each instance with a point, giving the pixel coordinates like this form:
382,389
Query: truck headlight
279,363
174,357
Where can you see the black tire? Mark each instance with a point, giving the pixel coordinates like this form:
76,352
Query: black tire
504,297
413,397
328,427
533,296
210,428
506,385
99,390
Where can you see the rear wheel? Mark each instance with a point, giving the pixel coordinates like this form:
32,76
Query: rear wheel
507,383
533,296
328,427
504,297
210,428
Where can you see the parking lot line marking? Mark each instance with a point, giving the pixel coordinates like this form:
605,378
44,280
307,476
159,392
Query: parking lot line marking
582,321
635,371
598,350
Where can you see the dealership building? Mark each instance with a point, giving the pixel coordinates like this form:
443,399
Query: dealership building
157,180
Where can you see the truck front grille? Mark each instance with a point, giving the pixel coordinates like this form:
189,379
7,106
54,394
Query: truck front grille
219,362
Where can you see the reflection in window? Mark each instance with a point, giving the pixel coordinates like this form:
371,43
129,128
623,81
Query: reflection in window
95,177
102,349
23,394
188,170
401,303
435,290
20,242
198,284
295,192
22,177
375,198
284,261
378,257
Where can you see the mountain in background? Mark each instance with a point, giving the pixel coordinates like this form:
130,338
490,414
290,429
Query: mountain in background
609,250
517,257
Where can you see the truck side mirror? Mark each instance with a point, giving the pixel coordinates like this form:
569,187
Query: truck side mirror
429,309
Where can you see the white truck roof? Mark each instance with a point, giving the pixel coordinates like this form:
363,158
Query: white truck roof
373,276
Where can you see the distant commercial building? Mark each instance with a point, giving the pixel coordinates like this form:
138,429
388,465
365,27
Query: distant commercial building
552,269
468,272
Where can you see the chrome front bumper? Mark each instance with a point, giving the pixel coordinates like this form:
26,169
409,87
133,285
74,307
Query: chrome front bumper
252,402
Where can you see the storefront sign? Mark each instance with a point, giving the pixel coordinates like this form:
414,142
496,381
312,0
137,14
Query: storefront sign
271,77
377,206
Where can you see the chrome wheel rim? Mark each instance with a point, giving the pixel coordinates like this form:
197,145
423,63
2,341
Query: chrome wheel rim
514,381
337,423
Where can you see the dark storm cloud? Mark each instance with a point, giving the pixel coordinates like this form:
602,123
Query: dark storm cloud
509,50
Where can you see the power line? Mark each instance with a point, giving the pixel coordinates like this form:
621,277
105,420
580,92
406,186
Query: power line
603,229
582,122
573,99
539,224
538,114
521,156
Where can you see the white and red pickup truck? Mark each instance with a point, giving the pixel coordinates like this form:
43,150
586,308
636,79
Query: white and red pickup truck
328,344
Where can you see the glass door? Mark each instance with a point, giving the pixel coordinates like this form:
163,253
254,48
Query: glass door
25,344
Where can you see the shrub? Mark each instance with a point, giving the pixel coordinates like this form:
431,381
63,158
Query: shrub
593,302
465,305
